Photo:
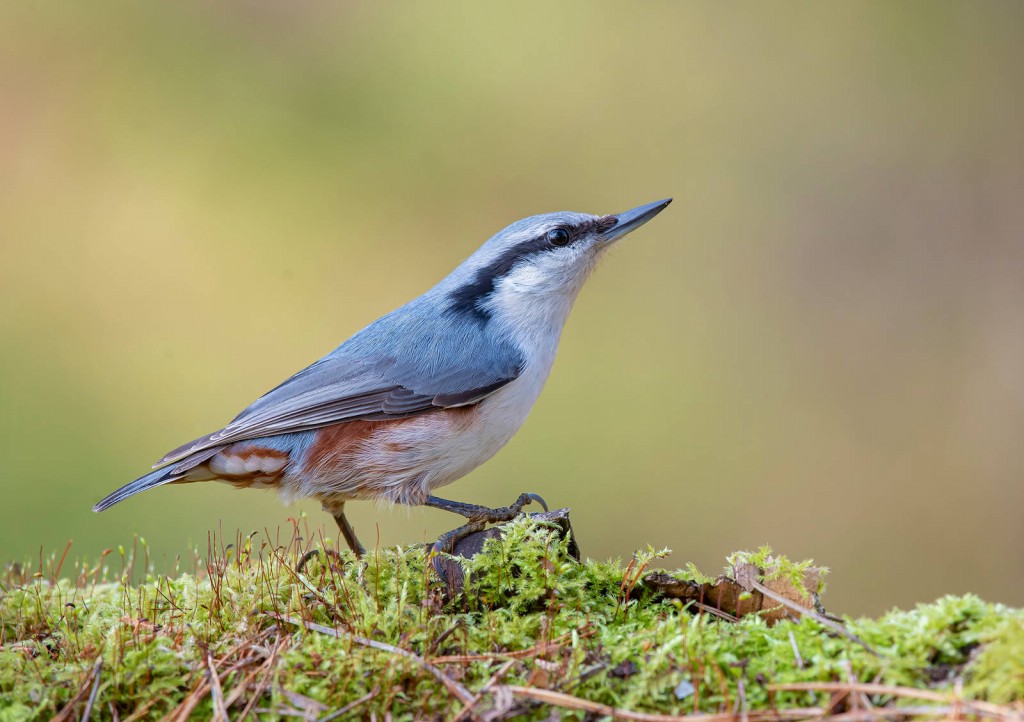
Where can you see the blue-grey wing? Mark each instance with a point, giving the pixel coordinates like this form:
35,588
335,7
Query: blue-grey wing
397,367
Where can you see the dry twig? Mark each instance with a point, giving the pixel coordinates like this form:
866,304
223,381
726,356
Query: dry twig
351,705
454,687
541,648
268,669
567,701
220,712
985,709
95,674
820,618
468,709
89,686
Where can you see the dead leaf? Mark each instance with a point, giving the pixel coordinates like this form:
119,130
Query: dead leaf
736,595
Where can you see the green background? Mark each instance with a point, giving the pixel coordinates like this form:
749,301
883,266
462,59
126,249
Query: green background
819,345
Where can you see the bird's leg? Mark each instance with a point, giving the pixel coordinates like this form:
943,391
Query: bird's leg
476,512
478,517
338,512
350,534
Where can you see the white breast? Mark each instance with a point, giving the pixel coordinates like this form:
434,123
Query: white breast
534,322
404,462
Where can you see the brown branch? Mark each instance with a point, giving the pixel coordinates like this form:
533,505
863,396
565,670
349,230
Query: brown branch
182,711
714,611
95,674
454,687
89,686
220,713
240,688
541,648
567,701
984,708
141,711
468,709
351,705
268,668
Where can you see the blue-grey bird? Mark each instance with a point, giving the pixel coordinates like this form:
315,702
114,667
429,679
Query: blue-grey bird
422,396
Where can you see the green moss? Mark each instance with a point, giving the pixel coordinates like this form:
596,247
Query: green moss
590,630
998,670
780,567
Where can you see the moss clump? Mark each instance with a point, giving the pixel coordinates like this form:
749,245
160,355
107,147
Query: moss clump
239,634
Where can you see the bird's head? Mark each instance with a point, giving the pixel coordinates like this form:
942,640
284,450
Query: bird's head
538,261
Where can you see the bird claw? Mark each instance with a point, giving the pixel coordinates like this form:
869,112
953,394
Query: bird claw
507,513
480,518
539,499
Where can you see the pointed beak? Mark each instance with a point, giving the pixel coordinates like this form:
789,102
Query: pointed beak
633,219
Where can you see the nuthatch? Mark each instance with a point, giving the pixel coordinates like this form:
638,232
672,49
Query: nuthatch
420,397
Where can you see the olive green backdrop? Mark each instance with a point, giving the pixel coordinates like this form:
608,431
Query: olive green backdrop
819,345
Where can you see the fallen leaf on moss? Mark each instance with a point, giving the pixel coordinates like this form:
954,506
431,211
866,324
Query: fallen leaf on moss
735,594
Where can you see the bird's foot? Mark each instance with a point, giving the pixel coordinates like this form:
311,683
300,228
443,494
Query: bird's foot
447,541
510,512
477,517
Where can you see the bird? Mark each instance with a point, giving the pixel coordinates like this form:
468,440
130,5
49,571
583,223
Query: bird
423,395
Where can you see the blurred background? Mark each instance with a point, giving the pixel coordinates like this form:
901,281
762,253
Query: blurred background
818,346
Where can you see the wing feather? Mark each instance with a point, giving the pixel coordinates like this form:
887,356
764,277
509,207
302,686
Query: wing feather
397,367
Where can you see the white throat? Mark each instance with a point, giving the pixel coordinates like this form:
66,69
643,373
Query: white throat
531,304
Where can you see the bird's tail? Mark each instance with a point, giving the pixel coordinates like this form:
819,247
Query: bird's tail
150,481
164,475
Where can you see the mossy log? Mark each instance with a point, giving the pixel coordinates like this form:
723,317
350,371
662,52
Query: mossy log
516,626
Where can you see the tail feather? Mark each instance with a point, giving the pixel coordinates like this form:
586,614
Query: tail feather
165,475
149,481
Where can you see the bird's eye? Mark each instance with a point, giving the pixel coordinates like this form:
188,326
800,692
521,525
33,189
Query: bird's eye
558,237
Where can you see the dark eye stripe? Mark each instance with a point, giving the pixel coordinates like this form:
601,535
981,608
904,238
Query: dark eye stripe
467,299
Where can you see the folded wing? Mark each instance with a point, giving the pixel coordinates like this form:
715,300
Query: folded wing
397,367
